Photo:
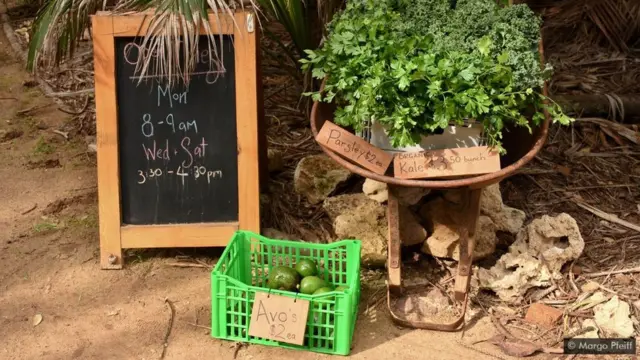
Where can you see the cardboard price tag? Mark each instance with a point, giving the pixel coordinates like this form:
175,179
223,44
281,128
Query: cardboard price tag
446,163
279,318
354,148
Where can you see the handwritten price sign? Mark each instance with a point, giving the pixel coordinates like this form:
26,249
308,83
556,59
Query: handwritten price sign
279,318
354,148
446,163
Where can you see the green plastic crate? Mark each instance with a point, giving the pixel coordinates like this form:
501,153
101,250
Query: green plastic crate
243,269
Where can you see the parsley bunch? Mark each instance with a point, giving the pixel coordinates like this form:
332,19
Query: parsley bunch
417,67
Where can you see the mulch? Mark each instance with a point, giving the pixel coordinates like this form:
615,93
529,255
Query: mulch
590,170
595,161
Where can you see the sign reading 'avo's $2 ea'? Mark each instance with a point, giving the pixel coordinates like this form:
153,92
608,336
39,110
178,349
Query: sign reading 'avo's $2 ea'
279,318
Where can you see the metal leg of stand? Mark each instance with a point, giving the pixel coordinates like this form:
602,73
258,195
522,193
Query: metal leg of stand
470,212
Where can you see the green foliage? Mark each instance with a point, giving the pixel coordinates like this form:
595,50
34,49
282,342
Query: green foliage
44,227
57,28
416,67
293,15
43,147
60,24
512,29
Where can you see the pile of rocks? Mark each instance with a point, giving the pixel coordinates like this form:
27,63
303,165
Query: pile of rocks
427,220
430,220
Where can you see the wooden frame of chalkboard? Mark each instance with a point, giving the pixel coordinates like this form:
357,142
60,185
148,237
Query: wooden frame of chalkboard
116,233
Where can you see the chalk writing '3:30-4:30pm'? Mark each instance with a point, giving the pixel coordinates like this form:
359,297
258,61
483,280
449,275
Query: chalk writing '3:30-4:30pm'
197,172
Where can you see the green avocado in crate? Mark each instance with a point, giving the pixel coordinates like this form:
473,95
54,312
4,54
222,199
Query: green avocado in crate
244,268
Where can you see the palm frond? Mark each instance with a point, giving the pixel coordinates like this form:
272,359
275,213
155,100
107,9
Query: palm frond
57,29
327,8
611,23
292,14
171,44
611,17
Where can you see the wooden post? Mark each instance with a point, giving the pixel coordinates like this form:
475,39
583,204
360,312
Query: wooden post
470,213
394,256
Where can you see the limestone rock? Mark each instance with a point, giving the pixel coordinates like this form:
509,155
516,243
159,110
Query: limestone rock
358,217
340,204
444,240
317,176
491,200
428,303
513,275
509,219
433,302
411,232
557,239
375,190
408,196
486,239
614,318
504,217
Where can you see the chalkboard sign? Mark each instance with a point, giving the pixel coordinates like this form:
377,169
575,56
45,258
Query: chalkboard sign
178,166
178,147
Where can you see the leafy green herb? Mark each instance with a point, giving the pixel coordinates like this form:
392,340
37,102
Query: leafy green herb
417,67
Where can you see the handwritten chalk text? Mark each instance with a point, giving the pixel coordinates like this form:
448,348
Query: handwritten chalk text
197,172
165,93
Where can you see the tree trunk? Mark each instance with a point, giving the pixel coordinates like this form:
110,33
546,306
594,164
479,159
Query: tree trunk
625,107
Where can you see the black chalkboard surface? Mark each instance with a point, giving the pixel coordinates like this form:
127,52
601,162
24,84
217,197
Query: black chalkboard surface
177,145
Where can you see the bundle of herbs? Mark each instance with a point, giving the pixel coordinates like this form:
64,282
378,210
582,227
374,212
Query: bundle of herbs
417,67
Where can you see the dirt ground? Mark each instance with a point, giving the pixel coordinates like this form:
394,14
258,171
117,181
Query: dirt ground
49,250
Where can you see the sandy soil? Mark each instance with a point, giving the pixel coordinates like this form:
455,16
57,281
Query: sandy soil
49,254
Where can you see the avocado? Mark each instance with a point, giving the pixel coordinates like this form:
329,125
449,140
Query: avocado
307,267
342,288
283,278
323,290
310,284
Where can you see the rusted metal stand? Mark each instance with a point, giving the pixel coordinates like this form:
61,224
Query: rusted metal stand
469,212
522,146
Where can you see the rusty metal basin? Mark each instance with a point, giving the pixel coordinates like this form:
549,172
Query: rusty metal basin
521,147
